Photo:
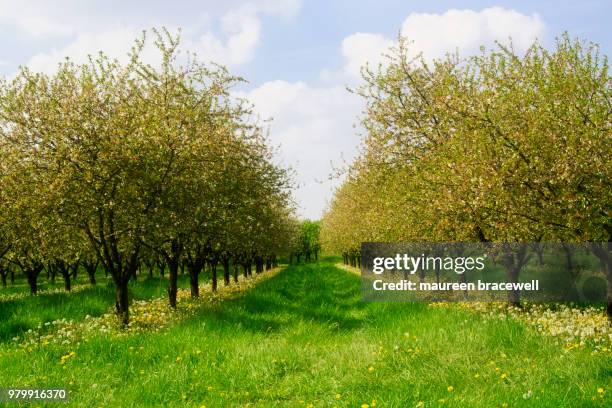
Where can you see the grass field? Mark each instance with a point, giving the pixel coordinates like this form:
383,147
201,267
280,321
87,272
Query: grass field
303,338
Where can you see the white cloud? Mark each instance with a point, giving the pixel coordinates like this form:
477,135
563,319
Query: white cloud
243,30
437,34
234,44
467,30
279,8
361,48
115,42
37,17
314,126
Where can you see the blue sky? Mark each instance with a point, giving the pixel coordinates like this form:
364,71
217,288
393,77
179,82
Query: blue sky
298,55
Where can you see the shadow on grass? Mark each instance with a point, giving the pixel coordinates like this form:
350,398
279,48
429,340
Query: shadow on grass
20,315
318,293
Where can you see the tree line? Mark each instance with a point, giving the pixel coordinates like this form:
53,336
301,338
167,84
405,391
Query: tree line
498,147
125,165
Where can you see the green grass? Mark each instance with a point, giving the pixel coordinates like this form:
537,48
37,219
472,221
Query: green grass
20,315
304,337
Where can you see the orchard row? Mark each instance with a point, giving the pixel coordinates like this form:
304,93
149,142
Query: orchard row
500,147
124,164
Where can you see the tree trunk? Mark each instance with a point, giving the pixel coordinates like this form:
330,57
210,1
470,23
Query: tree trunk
51,271
194,276
32,276
173,281
122,301
226,271
514,257
569,261
602,251
213,275
92,277
259,264
33,284
3,274
513,295
75,270
66,276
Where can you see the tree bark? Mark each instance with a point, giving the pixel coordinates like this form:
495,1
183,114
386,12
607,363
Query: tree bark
75,270
33,284
602,251
173,282
122,301
67,284
213,275
226,271
90,268
194,277
32,277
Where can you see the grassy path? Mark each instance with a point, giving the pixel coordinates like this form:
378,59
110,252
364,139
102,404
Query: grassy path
304,338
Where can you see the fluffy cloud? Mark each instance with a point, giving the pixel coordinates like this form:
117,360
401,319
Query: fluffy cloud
243,31
313,126
437,34
38,17
361,48
233,44
115,42
467,30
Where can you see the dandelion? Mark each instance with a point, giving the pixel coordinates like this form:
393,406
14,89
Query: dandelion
476,375
450,388
600,390
373,403
365,406
371,369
